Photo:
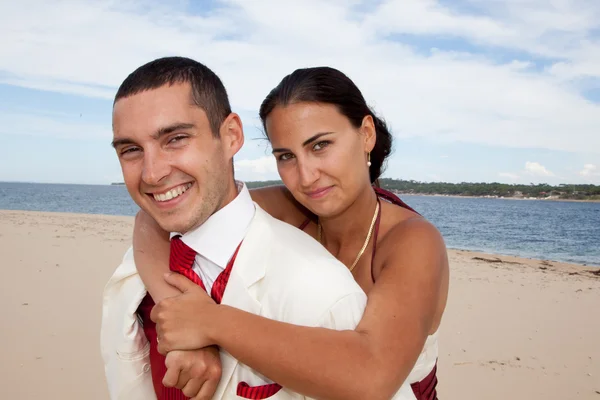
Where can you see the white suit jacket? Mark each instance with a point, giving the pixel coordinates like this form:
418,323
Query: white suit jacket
279,273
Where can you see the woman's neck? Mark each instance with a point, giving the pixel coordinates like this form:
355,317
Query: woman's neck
347,231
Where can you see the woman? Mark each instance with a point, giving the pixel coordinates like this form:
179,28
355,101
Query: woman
330,149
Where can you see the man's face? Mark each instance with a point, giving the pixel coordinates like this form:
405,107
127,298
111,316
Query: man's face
173,166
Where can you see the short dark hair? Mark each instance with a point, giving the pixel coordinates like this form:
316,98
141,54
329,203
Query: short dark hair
330,86
208,92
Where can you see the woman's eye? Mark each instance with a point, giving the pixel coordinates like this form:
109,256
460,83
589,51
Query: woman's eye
321,145
286,156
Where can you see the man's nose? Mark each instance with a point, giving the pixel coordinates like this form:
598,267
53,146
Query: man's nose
156,167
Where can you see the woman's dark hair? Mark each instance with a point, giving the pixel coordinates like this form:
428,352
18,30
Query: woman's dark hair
330,86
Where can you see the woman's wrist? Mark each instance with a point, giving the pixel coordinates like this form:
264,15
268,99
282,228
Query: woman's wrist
215,324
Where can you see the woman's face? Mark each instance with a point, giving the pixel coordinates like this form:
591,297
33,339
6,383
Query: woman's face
321,157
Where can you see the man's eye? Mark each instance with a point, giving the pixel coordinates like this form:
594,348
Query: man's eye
177,138
129,150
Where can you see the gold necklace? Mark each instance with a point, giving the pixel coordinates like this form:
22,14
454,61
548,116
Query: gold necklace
367,239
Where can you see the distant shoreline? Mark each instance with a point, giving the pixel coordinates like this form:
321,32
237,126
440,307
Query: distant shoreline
92,218
495,197
413,188
467,196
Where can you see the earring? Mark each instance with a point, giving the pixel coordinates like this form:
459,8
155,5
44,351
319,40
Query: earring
368,159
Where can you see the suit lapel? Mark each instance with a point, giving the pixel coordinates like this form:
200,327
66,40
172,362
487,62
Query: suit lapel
248,269
250,264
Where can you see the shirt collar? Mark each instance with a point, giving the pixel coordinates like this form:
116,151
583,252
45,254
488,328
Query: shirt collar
218,237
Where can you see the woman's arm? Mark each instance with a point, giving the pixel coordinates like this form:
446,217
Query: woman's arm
151,248
368,363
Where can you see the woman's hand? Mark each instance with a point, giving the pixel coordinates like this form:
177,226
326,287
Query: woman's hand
183,322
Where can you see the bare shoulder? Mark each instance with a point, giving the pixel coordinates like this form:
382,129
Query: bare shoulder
410,241
410,270
279,203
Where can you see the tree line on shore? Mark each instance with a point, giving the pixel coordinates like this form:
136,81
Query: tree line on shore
494,189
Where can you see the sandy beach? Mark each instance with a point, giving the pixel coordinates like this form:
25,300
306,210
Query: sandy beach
514,328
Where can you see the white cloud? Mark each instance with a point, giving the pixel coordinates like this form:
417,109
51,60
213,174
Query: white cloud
88,48
589,170
262,166
537,169
558,29
509,175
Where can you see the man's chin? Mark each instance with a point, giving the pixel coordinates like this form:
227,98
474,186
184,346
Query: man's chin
178,224
168,223
173,226
177,220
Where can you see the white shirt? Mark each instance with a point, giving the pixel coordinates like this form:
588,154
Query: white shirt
217,238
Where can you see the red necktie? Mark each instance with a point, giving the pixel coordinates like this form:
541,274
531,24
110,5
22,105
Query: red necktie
181,260
218,287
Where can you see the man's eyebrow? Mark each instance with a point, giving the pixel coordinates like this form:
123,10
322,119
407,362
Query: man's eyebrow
161,132
306,142
172,128
120,142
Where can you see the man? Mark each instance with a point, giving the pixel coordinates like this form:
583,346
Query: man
175,136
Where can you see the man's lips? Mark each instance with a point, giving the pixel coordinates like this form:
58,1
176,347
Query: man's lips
171,194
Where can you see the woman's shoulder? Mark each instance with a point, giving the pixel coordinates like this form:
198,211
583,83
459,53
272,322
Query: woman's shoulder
404,233
401,225
279,203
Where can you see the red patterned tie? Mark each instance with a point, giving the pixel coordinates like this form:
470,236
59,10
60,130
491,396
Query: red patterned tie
218,288
181,260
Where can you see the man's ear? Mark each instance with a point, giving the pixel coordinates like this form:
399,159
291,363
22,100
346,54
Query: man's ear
232,134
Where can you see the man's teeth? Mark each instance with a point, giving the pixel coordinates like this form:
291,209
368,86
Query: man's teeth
171,194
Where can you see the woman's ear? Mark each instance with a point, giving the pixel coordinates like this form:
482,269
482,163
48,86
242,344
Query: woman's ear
367,129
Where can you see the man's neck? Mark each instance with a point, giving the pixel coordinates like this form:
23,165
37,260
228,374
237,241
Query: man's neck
230,194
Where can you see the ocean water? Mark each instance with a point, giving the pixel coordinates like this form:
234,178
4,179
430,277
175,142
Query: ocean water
550,230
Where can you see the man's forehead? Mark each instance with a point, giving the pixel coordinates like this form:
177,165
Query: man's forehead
179,95
163,94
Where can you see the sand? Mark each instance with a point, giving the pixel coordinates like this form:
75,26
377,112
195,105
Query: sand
514,328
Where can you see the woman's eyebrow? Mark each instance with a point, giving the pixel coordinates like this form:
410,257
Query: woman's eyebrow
305,143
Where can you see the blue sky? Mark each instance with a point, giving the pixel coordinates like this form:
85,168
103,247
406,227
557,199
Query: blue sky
474,90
